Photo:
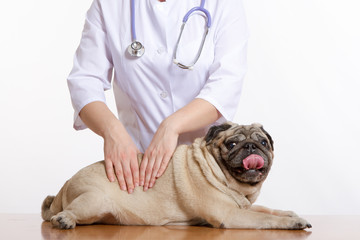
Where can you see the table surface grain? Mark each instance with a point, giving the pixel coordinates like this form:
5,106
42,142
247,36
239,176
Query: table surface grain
31,226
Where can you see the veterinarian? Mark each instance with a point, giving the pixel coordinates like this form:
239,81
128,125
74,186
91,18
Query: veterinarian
168,90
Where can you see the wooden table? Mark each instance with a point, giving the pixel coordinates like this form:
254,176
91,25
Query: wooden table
30,226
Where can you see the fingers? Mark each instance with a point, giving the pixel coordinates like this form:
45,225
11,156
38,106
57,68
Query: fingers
143,167
130,168
119,175
121,161
151,171
163,165
134,166
115,170
125,169
157,155
131,172
109,169
148,172
159,168
152,168
127,175
155,171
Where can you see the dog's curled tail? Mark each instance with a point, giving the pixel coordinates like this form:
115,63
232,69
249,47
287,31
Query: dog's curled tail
46,213
52,205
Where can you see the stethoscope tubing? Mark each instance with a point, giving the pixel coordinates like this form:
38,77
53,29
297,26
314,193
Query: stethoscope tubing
136,49
201,9
133,29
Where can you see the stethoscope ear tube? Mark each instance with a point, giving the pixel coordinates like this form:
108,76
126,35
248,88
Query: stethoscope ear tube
208,24
201,9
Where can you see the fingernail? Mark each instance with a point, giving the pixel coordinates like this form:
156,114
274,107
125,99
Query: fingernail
145,188
151,185
131,191
123,188
141,183
136,184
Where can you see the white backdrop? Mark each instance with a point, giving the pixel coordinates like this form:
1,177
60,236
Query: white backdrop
303,85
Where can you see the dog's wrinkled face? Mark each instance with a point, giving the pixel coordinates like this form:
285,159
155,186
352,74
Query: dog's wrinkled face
245,151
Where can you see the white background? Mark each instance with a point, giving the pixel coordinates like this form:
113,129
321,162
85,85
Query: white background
303,85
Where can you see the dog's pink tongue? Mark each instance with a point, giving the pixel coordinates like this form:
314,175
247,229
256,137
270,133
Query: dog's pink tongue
253,161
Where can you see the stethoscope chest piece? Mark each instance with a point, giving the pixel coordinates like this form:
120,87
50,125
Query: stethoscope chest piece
136,49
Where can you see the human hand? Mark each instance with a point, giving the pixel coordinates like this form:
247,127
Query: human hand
158,154
121,159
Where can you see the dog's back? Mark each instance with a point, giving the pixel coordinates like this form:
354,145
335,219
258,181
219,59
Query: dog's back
90,191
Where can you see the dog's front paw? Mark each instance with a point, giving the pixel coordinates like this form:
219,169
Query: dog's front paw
298,223
63,220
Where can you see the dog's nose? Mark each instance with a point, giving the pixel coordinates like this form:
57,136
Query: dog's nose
250,147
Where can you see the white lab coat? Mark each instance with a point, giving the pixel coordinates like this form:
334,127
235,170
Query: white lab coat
150,88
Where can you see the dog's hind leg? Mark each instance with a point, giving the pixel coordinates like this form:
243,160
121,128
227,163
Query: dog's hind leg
87,208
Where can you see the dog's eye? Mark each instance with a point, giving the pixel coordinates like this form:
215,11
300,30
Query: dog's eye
264,143
230,145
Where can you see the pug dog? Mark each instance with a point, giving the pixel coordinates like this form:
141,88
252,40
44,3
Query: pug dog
212,182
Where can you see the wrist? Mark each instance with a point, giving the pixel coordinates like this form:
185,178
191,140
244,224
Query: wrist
112,129
173,124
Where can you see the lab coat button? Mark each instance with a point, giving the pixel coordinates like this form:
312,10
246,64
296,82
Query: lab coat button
163,94
161,50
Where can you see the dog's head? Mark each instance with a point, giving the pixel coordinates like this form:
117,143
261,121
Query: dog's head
246,151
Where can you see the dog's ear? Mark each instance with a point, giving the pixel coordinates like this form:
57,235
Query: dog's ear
214,131
269,137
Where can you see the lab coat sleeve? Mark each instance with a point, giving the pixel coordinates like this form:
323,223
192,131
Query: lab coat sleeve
92,70
226,73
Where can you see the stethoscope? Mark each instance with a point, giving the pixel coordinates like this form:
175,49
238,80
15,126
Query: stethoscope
136,49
